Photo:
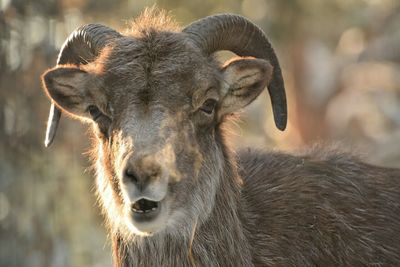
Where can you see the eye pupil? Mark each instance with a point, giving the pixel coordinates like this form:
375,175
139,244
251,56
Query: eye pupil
94,112
209,106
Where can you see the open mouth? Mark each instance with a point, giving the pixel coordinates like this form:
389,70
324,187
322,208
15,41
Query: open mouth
144,206
146,216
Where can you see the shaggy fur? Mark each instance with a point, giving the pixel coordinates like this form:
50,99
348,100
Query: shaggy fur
250,209
320,209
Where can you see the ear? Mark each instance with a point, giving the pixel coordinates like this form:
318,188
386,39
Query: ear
244,80
69,88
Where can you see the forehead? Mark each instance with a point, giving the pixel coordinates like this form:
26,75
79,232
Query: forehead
158,67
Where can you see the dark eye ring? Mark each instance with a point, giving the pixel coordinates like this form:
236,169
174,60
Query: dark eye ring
94,112
209,106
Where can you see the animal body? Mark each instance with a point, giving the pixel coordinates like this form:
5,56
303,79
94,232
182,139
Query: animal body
172,191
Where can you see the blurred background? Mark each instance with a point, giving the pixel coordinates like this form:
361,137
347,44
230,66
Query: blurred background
341,63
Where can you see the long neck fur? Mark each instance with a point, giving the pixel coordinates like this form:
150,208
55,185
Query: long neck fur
218,241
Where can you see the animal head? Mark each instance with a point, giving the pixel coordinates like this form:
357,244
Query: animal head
156,98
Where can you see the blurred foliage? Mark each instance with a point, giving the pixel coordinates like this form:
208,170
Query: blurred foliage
341,65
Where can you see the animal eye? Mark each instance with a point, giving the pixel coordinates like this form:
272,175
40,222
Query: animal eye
94,112
209,106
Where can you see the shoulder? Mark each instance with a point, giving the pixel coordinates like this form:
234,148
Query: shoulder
317,164
329,154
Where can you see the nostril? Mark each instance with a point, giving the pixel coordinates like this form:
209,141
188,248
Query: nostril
131,175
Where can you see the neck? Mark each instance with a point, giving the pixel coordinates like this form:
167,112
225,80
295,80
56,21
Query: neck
217,241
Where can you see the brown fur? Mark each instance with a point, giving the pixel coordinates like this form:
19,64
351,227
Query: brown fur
253,209
323,208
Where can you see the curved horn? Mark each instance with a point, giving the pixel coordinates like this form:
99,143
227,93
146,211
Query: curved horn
81,47
244,38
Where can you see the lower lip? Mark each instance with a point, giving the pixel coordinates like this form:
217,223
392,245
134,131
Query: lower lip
148,216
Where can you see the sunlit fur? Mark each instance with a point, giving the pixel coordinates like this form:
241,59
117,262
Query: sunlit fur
320,208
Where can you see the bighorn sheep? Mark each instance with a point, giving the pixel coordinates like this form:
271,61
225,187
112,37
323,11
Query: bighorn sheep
172,191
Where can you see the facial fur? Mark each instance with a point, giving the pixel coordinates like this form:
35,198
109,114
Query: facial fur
156,104
148,127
